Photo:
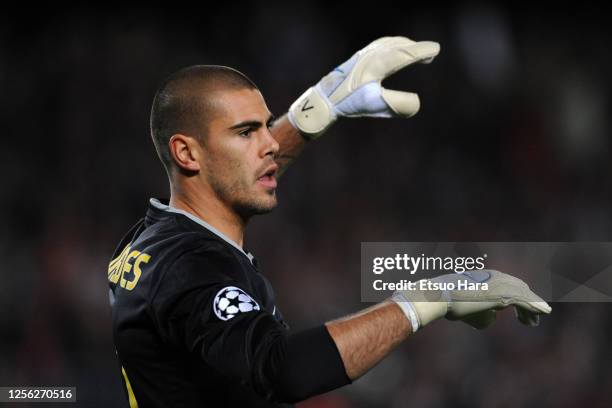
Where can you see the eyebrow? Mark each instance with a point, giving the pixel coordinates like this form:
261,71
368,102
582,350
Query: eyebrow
253,123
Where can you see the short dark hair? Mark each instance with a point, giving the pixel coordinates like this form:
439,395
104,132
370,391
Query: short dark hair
183,104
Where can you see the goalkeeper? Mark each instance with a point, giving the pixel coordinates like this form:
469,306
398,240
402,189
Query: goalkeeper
195,323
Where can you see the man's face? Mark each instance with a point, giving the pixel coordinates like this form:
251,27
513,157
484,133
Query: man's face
239,152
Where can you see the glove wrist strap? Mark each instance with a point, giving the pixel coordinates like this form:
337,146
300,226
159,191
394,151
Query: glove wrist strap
311,113
408,310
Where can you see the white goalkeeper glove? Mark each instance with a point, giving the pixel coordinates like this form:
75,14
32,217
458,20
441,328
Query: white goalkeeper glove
475,307
354,88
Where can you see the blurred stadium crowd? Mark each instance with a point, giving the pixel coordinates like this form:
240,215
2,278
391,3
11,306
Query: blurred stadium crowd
512,144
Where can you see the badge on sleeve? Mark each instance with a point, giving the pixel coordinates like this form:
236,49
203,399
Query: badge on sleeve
230,301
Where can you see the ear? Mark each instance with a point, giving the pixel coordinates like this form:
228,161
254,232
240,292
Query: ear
185,151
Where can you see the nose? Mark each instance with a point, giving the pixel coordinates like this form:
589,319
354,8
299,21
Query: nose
270,146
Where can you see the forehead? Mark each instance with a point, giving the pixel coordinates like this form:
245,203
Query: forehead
234,106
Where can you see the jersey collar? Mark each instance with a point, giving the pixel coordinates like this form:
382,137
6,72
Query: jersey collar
160,206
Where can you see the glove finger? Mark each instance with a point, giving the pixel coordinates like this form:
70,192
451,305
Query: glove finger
425,51
481,320
516,292
533,303
539,307
529,313
389,56
527,317
403,52
404,104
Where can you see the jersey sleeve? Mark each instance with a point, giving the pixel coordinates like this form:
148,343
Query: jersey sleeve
203,305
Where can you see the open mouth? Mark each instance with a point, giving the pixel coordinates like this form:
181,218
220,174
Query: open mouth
268,179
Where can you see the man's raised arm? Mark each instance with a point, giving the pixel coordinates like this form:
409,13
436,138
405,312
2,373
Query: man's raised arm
353,89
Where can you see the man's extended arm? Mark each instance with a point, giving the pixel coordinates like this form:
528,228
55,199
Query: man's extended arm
353,89
254,349
365,338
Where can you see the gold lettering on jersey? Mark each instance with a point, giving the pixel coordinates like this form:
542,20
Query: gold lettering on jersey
128,261
115,266
142,258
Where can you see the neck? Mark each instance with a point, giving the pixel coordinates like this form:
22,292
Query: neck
211,210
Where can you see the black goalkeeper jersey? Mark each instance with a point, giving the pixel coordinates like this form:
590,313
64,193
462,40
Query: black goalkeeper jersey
195,323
